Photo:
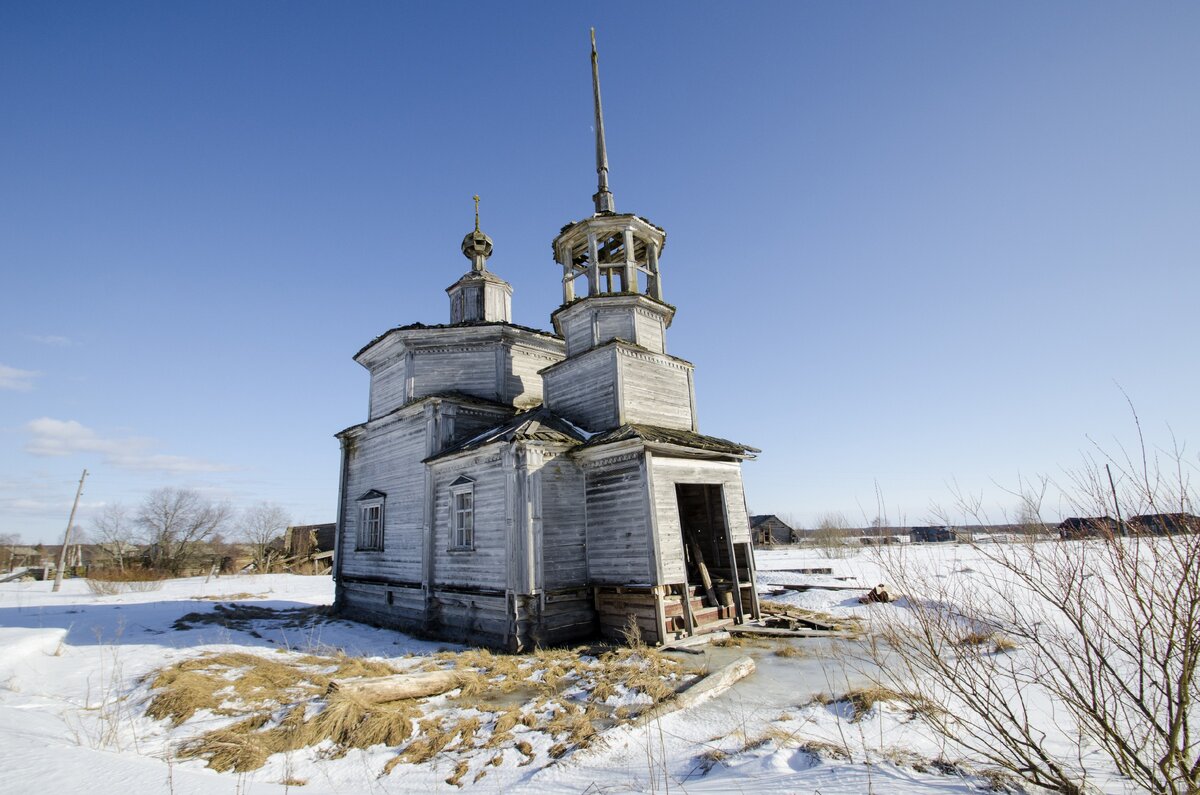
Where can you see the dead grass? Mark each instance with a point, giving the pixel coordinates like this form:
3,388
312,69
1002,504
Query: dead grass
862,701
998,643
282,703
790,651
823,750
460,770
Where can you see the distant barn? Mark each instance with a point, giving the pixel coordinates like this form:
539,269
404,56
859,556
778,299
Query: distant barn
768,529
1161,524
932,534
1077,527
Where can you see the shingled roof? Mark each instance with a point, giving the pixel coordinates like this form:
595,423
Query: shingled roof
538,424
675,436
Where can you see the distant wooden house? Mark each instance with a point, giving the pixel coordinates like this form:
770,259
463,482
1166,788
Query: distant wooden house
769,529
1076,527
1161,524
514,487
309,548
932,534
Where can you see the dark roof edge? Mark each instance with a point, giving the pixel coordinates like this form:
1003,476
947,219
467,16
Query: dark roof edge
470,324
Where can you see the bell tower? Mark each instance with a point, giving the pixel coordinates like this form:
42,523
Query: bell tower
613,312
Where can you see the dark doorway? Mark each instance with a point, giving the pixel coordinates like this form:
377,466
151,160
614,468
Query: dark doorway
706,544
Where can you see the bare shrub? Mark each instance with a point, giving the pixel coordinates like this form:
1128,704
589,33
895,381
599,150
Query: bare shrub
832,535
1107,627
105,587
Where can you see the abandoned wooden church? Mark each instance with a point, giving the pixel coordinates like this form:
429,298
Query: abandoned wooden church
514,487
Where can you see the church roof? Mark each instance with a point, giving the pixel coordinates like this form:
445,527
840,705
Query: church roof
424,326
673,436
539,424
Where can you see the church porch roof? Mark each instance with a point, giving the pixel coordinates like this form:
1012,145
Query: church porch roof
675,437
539,424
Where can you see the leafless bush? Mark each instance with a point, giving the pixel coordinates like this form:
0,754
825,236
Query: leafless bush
105,587
831,535
1096,640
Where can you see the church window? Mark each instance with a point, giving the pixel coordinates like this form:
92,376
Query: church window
462,514
370,521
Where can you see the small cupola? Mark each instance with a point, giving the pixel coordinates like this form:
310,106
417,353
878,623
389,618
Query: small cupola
480,296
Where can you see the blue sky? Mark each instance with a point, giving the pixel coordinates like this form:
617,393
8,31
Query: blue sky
911,244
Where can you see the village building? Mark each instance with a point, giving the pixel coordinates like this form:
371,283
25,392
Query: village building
516,487
769,529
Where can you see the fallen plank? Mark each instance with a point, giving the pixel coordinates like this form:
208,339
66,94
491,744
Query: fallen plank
696,643
810,587
702,690
819,570
378,689
779,632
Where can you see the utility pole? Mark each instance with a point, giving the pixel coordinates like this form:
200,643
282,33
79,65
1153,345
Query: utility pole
62,555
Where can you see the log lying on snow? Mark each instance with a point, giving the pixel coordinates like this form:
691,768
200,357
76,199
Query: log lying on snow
378,689
703,689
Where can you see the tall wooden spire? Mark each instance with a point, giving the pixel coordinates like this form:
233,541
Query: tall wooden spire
603,198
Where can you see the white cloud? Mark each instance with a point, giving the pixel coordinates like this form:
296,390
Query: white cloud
50,339
18,380
51,437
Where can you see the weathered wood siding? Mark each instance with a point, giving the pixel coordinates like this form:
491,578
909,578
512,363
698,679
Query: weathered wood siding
388,458
382,603
467,369
614,324
485,566
524,388
558,488
655,390
649,332
387,387
665,473
583,390
580,333
618,542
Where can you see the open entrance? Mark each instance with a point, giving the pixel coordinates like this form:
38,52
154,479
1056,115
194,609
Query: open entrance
718,582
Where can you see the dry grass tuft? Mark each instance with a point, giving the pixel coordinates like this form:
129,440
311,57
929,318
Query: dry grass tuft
526,750
460,770
507,719
862,700
710,759
823,750
238,747
790,651
1002,644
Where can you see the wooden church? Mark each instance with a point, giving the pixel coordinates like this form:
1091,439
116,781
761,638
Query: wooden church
514,487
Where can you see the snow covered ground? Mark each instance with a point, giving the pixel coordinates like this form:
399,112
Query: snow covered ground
72,703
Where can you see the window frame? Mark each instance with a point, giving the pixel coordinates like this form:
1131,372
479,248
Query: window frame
462,533
370,540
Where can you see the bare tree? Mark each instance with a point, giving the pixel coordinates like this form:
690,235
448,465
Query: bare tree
1096,640
115,531
175,522
831,534
263,526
